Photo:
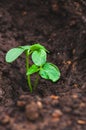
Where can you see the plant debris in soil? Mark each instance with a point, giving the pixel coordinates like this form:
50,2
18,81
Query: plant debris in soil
61,27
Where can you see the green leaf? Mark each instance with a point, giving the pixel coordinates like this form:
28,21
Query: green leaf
39,57
32,69
37,47
50,71
13,54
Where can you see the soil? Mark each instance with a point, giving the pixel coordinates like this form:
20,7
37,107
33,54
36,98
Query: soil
61,27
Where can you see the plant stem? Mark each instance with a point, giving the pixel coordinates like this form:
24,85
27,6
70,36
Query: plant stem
28,77
36,81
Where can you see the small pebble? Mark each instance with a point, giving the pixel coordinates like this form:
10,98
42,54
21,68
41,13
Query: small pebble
76,85
21,104
54,97
4,119
31,111
75,96
57,114
39,104
81,122
69,62
82,104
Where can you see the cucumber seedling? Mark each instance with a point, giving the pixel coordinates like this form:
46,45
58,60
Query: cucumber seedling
38,54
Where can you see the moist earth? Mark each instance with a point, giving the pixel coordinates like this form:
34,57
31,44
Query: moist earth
61,27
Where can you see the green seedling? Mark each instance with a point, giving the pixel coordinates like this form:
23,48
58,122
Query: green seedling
38,54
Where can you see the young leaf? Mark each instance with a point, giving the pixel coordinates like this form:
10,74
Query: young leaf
32,69
13,54
37,47
39,57
50,71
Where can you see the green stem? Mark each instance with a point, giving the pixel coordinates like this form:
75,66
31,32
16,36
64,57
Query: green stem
27,67
36,81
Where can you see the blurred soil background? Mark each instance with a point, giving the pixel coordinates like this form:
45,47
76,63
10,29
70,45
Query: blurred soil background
60,26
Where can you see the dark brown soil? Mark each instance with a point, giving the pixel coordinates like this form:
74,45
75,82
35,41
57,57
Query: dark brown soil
61,27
